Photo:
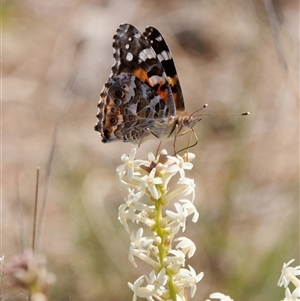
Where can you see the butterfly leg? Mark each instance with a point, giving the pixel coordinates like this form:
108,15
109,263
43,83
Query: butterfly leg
144,135
196,138
175,138
159,145
190,146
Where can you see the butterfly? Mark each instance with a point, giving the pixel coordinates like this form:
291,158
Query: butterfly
142,98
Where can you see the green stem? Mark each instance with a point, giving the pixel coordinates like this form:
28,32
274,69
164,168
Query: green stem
160,232
161,248
172,288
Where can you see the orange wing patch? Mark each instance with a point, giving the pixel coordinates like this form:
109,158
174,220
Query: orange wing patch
156,82
141,74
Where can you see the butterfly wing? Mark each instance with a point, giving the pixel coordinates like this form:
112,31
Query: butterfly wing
133,54
164,55
137,101
131,111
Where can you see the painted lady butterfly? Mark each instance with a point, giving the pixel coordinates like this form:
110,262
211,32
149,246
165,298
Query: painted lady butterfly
143,97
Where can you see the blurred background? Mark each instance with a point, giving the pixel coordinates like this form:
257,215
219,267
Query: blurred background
56,56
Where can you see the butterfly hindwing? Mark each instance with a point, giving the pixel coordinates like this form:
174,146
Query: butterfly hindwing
164,55
130,110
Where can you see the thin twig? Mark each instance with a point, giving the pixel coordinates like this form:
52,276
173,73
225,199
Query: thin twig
51,156
35,208
279,47
20,209
49,169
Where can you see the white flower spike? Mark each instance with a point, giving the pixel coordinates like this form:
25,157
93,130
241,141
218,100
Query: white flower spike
147,183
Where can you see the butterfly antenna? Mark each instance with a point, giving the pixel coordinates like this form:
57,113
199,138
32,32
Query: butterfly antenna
242,114
193,114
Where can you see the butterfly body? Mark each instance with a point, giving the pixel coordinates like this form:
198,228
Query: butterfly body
142,98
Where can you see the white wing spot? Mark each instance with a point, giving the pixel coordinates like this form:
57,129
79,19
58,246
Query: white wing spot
159,38
164,56
129,56
127,46
129,39
146,54
154,79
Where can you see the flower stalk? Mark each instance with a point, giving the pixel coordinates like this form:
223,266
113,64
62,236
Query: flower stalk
29,271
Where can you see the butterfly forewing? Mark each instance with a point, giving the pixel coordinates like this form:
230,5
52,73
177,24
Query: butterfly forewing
133,54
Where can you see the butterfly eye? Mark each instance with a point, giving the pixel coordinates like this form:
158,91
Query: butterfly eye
119,93
113,120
